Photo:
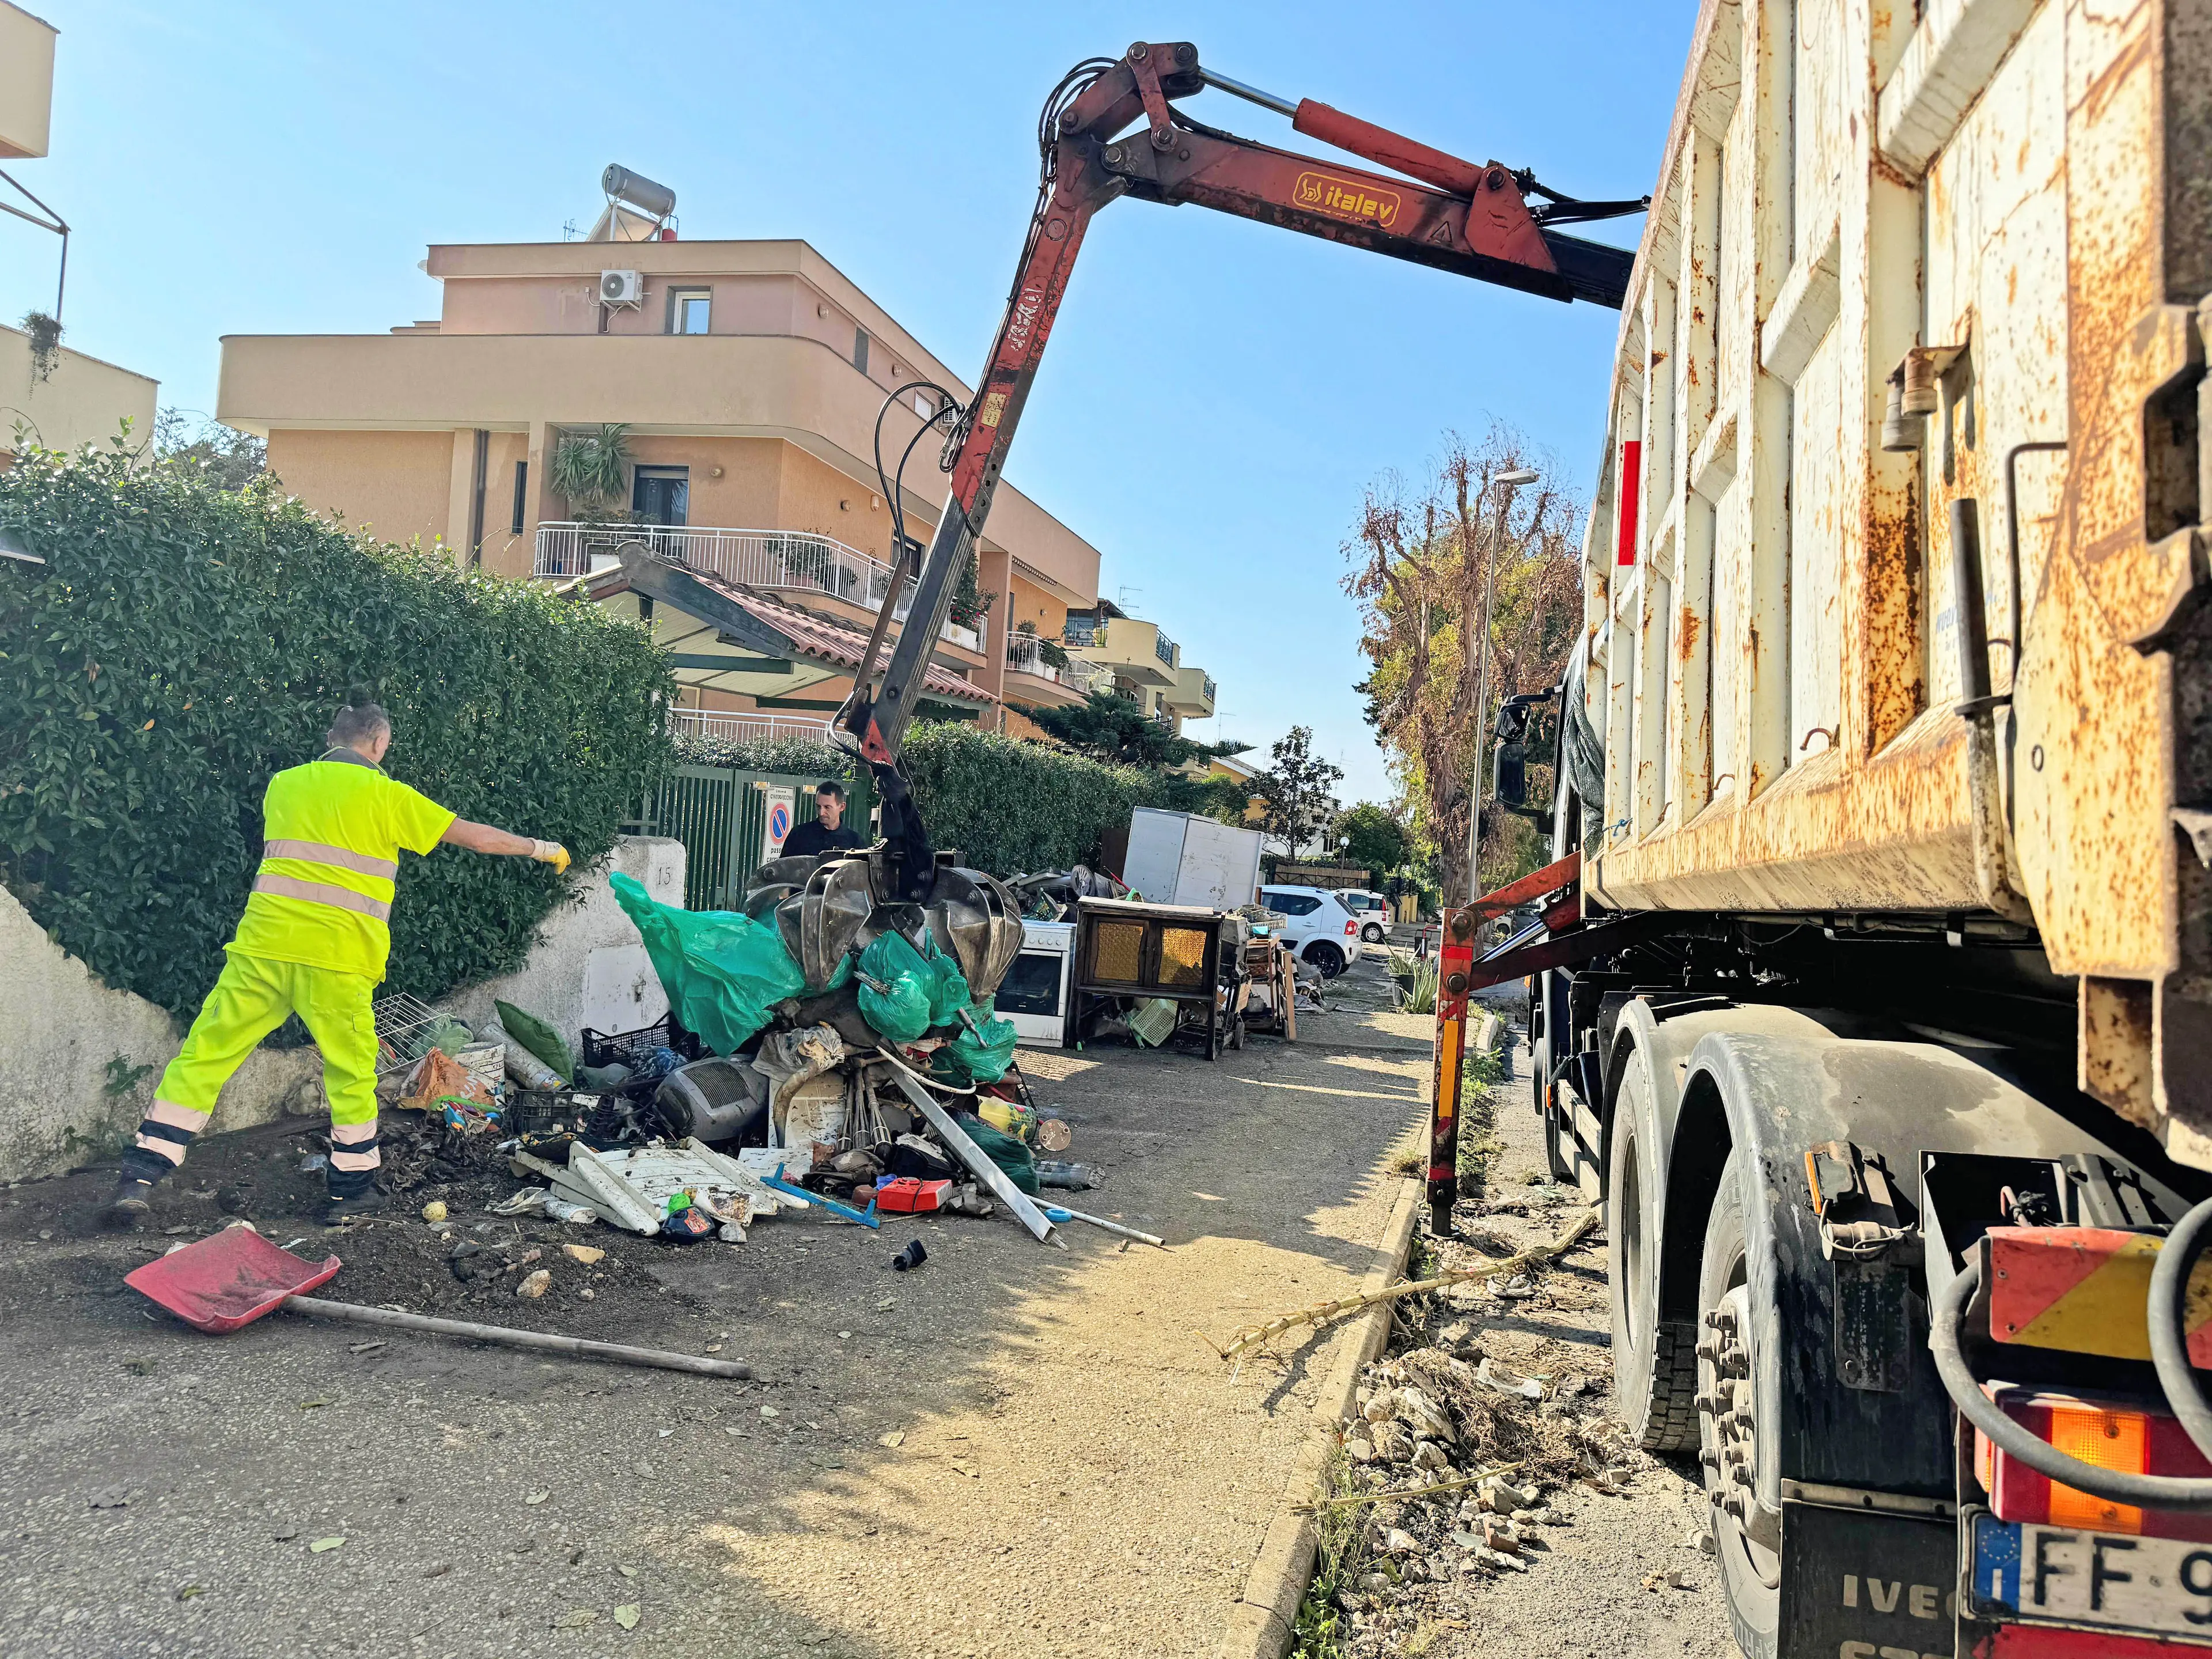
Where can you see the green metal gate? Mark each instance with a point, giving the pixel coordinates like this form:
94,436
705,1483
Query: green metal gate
721,814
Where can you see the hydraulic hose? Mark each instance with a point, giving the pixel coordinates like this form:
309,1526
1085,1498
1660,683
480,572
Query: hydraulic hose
2150,1492
2168,1316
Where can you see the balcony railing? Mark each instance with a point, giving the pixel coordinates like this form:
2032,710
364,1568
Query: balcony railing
791,561
1210,689
1025,656
715,723
1083,631
1088,678
1163,648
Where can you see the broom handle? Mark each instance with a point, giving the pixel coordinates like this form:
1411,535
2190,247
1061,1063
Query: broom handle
317,1307
1110,1226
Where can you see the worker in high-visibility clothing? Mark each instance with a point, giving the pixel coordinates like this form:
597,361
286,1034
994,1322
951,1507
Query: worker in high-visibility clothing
313,942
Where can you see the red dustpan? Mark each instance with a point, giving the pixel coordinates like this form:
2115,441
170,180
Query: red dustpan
232,1277
229,1279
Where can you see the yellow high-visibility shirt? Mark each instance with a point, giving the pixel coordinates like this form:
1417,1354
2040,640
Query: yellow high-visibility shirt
332,830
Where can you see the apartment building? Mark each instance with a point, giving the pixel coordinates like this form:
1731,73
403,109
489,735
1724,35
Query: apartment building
748,377
50,396
1138,660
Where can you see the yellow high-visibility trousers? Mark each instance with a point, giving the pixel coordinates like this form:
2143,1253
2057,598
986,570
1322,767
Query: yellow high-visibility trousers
250,1000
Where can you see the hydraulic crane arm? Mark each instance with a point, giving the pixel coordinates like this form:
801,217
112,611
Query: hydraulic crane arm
1445,212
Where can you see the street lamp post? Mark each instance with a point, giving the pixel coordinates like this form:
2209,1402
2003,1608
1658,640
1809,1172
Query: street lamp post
1506,483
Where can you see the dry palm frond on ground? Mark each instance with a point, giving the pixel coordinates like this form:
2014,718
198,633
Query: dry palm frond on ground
1327,1313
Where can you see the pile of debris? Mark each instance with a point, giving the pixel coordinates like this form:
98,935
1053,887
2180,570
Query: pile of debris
832,1047
1452,1455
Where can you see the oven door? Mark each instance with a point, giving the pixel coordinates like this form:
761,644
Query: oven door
1034,994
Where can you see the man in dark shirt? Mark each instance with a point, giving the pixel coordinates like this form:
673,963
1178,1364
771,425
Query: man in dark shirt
827,832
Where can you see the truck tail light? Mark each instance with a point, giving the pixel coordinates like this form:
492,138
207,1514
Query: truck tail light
2109,1434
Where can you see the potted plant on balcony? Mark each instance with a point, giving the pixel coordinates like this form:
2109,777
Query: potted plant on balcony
1048,652
970,603
591,470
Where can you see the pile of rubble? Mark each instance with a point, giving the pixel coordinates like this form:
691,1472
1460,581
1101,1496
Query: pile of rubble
1451,1460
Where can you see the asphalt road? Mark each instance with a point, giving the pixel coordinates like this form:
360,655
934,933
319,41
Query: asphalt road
1013,1450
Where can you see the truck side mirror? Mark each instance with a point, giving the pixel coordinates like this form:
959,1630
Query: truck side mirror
1518,731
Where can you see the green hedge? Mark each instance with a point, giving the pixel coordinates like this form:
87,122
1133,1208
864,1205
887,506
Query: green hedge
787,754
1009,807
182,644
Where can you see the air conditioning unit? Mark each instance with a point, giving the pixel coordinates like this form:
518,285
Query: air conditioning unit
621,288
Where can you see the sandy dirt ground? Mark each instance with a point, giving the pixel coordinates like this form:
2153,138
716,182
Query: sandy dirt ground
1013,1450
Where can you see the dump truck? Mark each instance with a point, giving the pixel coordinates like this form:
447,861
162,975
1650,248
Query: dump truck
1870,979
1876,1002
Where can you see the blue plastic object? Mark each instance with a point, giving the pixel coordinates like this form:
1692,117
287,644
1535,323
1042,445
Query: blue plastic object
867,1218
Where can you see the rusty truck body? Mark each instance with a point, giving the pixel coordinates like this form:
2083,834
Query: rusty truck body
1896,654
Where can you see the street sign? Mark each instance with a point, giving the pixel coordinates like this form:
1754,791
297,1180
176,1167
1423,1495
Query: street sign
782,803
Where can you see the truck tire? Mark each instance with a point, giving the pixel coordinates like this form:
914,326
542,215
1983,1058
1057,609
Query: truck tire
1655,1361
1751,1572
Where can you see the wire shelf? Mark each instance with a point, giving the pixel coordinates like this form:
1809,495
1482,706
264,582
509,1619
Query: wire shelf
403,1024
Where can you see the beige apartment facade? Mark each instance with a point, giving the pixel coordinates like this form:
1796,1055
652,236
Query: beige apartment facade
27,83
69,399
749,375
1141,662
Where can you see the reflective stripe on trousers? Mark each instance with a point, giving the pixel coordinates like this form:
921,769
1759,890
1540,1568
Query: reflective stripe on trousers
250,1000
169,1131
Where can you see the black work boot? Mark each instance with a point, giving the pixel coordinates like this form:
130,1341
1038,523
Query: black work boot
343,1208
131,1205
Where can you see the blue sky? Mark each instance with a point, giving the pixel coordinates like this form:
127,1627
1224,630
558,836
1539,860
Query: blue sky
1217,395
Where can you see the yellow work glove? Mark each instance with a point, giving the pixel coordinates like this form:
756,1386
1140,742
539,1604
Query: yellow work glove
552,852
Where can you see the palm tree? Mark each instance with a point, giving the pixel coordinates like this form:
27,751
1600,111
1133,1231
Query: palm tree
592,469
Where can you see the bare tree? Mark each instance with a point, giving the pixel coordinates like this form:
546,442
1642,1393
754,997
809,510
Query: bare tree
1420,560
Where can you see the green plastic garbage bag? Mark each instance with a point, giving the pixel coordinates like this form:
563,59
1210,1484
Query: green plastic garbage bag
722,971
904,992
981,1055
948,989
534,1034
1008,1152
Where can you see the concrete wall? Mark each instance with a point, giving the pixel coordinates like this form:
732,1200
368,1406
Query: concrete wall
27,82
1032,603
589,967
79,1061
396,485
83,400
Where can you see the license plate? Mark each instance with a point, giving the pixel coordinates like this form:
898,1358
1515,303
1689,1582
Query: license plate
2027,1570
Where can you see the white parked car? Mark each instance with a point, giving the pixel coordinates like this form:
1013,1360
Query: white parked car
1372,912
1320,931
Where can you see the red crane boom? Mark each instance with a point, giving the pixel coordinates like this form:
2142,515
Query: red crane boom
1444,212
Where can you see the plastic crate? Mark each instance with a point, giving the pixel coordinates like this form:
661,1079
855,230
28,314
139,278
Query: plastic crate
629,1048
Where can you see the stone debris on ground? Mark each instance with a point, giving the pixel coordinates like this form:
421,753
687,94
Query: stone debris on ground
1492,1410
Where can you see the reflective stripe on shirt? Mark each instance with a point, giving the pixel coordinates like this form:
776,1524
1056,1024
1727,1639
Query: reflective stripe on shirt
318,852
323,892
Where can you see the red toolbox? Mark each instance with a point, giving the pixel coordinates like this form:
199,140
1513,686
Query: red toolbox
904,1195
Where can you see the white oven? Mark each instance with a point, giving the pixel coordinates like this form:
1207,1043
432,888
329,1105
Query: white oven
1034,994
